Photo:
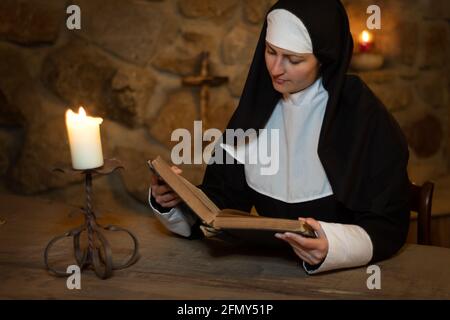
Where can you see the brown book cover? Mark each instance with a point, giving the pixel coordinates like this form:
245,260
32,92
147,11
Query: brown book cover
213,217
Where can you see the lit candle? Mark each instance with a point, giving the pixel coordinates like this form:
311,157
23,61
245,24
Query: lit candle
365,41
84,140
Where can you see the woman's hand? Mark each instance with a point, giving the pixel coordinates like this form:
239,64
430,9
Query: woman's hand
312,251
163,194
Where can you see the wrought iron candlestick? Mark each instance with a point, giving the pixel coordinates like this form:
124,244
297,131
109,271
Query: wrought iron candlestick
98,253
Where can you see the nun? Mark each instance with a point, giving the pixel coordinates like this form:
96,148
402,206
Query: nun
342,156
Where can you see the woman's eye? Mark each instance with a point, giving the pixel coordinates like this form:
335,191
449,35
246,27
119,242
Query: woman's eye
270,52
295,61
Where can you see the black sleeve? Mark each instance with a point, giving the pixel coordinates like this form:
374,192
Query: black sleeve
226,186
387,221
388,228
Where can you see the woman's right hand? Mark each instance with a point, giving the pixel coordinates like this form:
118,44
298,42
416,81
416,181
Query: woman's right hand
163,194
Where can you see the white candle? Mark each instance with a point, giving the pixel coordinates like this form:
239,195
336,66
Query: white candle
84,140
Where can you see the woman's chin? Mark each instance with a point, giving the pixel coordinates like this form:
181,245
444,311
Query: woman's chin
280,88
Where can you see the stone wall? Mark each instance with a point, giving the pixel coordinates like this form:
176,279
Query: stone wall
127,62
414,82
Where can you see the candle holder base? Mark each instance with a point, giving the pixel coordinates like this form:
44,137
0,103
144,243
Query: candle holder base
98,254
366,61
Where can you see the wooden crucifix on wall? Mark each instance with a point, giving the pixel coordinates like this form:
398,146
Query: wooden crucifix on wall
204,80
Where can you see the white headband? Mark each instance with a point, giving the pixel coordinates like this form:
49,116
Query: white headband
286,31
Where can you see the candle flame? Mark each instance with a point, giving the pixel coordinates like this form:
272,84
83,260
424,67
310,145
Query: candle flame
366,37
81,112
81,117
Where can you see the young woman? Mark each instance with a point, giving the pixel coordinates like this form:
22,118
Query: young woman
343,157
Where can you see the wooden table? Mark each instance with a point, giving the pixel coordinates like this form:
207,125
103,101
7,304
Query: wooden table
171,267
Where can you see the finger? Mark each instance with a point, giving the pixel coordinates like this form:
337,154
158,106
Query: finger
313,223
159,190
302,253
315,254
316,226
170,204
162,189
156,182
283,237
305,256
304,220
153,188
297,250
176,170
306,243
294,243
167,197
294,240
318,255
318,248
155,191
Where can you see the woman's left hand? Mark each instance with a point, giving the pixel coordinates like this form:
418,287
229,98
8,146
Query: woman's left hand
311,250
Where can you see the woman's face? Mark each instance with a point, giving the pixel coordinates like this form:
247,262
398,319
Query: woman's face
290,72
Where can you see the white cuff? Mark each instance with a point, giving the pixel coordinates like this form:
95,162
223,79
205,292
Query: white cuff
175,220
348,246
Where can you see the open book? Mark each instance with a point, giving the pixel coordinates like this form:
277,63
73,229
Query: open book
213,217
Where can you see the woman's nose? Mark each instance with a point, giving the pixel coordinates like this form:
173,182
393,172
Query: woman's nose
277,67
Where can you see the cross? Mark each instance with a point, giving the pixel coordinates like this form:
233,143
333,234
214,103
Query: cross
204,80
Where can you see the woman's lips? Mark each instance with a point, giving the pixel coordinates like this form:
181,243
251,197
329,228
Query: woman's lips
279,81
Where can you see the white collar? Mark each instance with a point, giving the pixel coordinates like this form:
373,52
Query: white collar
304,97
300,175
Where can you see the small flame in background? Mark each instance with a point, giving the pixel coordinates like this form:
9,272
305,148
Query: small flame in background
365,41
